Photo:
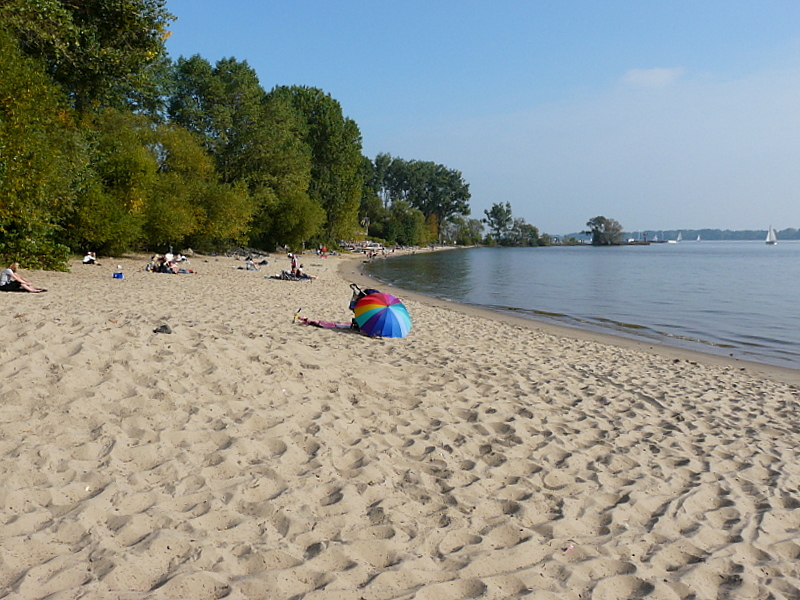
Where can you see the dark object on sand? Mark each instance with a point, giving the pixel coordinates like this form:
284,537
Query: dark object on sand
163,329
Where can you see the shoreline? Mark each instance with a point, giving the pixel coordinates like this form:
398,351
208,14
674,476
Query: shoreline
778,373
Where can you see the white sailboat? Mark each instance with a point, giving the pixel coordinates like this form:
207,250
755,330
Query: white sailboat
675,241
772,239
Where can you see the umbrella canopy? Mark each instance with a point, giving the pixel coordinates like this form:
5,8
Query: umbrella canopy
380,314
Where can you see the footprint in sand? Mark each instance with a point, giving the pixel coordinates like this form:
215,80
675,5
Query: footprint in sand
623,587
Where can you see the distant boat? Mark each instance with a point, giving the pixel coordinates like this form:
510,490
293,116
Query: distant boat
698,238
772,239
678,239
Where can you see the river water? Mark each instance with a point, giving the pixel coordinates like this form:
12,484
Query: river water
730,298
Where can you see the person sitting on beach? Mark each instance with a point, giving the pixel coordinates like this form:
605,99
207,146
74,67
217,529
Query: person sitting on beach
11,281
154,264
164,266
302,274
250,264
90,259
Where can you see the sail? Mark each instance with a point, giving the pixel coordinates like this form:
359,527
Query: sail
680,237
772,239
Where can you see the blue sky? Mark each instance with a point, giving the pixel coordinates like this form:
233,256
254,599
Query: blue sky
660,114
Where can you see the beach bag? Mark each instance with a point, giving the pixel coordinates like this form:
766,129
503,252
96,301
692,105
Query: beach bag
358,294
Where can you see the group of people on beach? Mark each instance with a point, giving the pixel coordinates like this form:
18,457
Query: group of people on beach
168,263
12,281
297,270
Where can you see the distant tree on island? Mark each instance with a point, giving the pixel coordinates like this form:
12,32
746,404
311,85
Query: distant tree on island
604,232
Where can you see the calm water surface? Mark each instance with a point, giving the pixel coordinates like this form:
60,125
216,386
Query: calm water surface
729,298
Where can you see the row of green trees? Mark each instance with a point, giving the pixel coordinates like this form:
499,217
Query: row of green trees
107,144
413,202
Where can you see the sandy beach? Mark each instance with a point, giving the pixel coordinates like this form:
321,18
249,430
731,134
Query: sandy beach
247,456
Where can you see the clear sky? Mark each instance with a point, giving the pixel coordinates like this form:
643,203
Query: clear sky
661,114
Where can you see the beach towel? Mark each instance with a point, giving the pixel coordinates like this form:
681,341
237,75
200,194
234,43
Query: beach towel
324,324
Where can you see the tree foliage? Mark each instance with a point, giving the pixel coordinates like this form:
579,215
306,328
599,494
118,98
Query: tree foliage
407,225
523,234
334,142
604,232
256,140
439,193
463,231
498,220
98,51
505,230
41,161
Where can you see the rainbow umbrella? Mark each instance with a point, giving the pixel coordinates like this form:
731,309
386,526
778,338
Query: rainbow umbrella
383,315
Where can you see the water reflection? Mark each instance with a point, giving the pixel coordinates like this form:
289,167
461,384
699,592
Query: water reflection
735,297
446,274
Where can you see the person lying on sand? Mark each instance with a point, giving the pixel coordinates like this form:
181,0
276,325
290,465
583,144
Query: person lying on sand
11,281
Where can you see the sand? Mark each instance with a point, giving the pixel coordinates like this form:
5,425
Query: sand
248,456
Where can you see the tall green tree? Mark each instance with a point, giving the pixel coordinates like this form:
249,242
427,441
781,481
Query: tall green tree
443,193
406,225
187,204
523,234
499,220
111,212
379,177
155,186
42,161
257,142
604,232
279,175
223,105
98,51
463,231
335,145
434,189
371,211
